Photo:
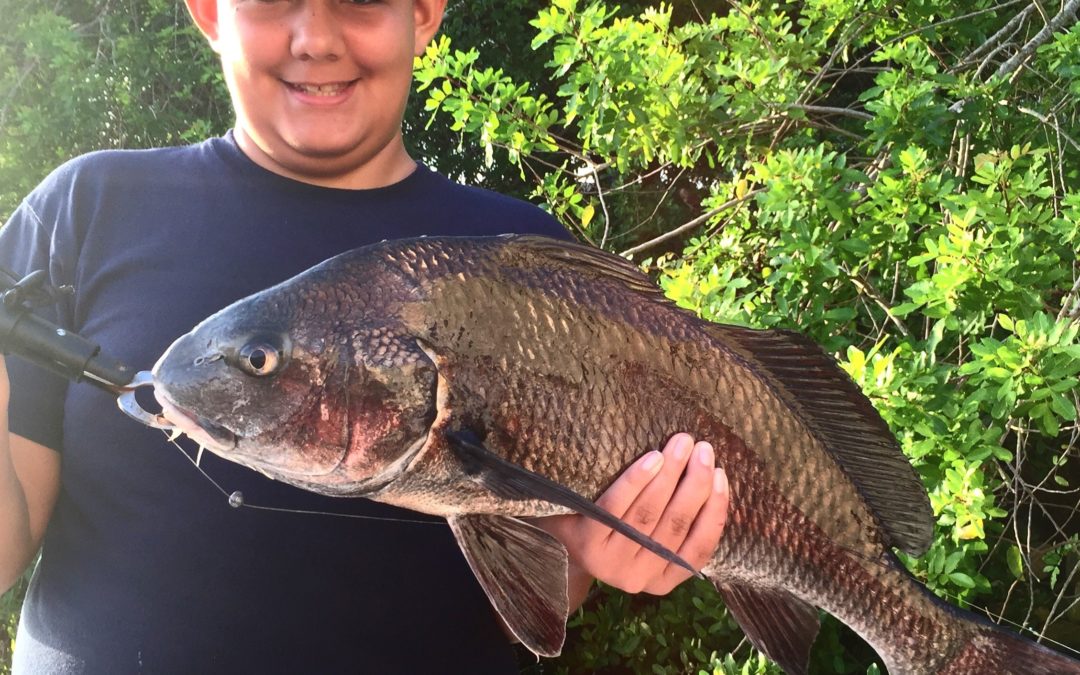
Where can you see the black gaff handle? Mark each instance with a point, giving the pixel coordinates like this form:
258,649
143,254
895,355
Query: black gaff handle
72,356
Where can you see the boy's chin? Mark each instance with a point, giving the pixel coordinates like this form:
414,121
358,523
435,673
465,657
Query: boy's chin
330,161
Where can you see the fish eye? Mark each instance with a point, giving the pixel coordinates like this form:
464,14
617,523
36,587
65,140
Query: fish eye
259,359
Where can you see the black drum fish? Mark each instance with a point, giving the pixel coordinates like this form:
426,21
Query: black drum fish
490,379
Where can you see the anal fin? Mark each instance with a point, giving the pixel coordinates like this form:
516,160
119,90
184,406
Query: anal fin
777,623
523,571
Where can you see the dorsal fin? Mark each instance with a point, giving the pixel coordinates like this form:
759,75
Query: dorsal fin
811,383
588,259
847,424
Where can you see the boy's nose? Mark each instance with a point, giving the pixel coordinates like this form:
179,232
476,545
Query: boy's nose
316,33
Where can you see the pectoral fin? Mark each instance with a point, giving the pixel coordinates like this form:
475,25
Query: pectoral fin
515,482
523,571
777,623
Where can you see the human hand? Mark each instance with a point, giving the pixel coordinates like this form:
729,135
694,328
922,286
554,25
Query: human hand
678,497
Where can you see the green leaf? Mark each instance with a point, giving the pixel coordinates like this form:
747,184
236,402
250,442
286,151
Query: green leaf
1063,406
962,580
1015,561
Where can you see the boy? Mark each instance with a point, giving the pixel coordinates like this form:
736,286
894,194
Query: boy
144,567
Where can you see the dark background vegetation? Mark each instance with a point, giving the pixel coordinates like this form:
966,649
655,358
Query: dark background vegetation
899,180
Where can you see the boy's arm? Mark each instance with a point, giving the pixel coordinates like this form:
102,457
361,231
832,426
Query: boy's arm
29,483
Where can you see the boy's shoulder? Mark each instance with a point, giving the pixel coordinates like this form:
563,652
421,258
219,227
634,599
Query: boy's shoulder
104,166
481,206
102,175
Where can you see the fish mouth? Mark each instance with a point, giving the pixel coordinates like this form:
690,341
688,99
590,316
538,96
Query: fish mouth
206,433
223,442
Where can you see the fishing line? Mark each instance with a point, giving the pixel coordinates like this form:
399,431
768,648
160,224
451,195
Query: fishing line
236,498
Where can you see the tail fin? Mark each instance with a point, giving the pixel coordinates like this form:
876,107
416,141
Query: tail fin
994,650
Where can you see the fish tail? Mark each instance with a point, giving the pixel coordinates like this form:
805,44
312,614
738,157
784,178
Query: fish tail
990,649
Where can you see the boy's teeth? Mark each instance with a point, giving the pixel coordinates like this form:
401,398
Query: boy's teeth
320,89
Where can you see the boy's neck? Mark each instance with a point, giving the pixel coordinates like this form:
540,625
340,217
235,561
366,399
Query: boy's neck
389,165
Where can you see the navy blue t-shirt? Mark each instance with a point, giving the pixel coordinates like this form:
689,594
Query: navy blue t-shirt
145,567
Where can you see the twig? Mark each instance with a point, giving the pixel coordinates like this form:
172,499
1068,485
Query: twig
829,110
866,288
663,198
1050,122
1057,600
994,42
603,204
1065,16
1073,293
693,223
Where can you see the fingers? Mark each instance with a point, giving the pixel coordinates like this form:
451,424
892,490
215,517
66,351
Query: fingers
650,502
681,501
588,541
618,498
700,543
681,513
677,497
668,508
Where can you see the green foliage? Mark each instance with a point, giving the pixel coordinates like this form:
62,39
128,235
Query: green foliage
860,171
9,620
82,75
855,169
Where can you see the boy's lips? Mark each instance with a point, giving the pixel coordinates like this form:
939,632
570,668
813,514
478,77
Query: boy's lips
321,92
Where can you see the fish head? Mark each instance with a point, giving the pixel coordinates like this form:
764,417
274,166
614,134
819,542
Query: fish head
298,383
243,384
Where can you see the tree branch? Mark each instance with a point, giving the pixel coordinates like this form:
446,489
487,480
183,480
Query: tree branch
1067,15
867,289
1051,123
693,223
829,110
1003,35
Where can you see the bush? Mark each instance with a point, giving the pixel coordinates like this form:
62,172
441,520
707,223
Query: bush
9,621
898,181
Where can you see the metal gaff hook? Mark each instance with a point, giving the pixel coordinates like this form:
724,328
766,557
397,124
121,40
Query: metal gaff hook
131,407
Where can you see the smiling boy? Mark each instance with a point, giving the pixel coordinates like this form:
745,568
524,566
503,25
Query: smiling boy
144,566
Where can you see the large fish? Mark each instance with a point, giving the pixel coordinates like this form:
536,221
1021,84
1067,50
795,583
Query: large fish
490,379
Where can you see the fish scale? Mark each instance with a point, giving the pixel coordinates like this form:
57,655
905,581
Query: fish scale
495,378
747,520
641,424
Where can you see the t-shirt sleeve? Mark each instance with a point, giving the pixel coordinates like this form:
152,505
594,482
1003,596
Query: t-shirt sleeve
37,395
551,227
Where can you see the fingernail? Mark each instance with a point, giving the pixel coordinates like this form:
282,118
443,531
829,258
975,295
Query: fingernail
705,453
719,480
683,447
652,461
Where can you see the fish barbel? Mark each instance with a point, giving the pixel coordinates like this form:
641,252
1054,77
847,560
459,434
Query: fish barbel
490,379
